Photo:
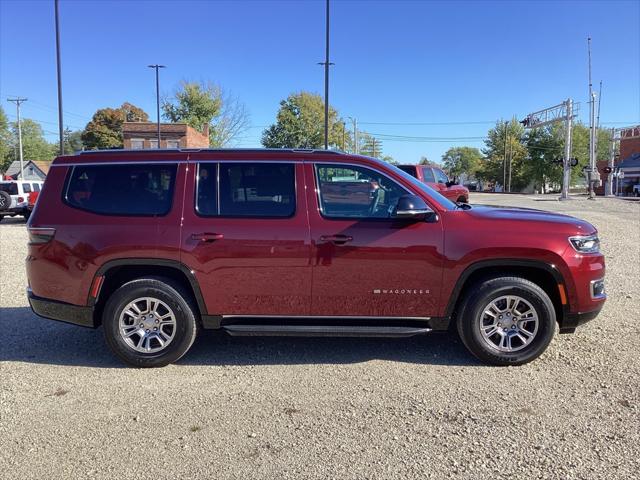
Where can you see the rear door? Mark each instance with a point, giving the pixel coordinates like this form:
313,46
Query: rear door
246,236
364,262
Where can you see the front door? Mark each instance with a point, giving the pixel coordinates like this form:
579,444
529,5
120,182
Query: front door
246,237
366,263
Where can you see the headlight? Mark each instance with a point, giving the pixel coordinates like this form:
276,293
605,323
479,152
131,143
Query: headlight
585,244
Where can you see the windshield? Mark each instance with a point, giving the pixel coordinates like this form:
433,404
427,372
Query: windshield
444,201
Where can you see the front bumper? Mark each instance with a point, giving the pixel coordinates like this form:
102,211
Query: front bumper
63,312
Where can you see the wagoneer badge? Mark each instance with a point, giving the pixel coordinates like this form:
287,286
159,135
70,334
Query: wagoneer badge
403,291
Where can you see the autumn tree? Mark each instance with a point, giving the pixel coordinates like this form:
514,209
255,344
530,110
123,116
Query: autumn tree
104,131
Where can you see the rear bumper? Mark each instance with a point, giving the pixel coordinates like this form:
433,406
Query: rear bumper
574,320
63,312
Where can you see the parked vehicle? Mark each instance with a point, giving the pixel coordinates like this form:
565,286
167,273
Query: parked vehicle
439,181
636,190
14,197
155,245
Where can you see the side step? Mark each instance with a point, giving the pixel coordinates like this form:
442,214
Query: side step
321,331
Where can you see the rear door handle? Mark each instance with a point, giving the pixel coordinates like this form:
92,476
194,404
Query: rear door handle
207,237
336,239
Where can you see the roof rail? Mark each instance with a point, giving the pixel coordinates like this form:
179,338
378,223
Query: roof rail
187,150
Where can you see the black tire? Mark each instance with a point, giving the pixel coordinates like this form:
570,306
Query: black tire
175,297
26,214
5,200
1,217
470,317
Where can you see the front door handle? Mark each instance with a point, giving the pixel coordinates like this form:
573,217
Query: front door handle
336,239
207,237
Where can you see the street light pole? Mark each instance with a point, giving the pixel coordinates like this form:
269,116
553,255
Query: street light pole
157,67
326,64
59,69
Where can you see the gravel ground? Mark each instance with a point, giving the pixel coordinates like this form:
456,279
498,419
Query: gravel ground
327,408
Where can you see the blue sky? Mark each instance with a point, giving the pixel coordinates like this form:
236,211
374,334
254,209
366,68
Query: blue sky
452,67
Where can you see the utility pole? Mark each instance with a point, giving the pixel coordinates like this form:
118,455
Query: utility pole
157,67
510,159
504,161
592,130
18,101
355,134
612,152
373,147
59,70
326,64
344,135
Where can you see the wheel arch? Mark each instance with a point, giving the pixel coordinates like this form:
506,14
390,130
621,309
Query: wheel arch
545,275
119,271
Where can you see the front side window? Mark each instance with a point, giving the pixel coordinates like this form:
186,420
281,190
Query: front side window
356,192
139,189
246,189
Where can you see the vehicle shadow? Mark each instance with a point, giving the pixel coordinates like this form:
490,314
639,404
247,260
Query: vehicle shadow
30,339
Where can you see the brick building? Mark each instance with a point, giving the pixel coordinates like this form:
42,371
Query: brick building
626,161
140,135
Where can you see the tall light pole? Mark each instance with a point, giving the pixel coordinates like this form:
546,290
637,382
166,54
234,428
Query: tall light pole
18,101
158,67
326,64
355,134
59,69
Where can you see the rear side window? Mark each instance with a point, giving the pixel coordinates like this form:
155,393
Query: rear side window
111,189
246,189
10,188
26,187
427,174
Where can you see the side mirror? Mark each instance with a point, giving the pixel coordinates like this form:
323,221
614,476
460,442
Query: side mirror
412,207
450,183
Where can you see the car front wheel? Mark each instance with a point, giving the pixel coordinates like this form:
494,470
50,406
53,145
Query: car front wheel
507,321
150,322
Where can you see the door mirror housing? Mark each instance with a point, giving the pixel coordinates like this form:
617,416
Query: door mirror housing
412,207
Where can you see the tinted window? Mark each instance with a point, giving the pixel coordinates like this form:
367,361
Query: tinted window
36,187
247,190
427,173
122,189
410,169
26,187
10,188
356,192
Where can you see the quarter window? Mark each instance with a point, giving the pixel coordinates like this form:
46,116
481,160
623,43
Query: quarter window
36,187
427,174
356,192
246,189
145,190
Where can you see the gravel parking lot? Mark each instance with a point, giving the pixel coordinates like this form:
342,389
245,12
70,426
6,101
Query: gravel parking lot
250,408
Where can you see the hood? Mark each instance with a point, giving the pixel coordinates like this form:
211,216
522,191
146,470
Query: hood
530,216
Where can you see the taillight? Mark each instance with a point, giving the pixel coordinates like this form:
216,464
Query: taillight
20,199
39,235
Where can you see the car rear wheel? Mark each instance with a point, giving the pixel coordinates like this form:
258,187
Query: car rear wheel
507,321
150,322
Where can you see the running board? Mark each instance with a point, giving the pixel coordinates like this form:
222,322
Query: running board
321,331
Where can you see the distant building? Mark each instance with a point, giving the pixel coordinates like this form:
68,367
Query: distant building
33,170
628,161
142,135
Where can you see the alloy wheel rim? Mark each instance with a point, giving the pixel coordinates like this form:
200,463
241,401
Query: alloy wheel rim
147,325
509,323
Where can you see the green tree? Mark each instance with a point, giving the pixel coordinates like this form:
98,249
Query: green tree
369,145
505,149
34,145
300,124
459,160
5,140
205,104
425,161
544,147
72,141
105,128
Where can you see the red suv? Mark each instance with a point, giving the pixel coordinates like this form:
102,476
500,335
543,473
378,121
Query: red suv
155,245
439,181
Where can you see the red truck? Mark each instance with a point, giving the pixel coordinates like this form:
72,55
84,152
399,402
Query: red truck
439,181
155,245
